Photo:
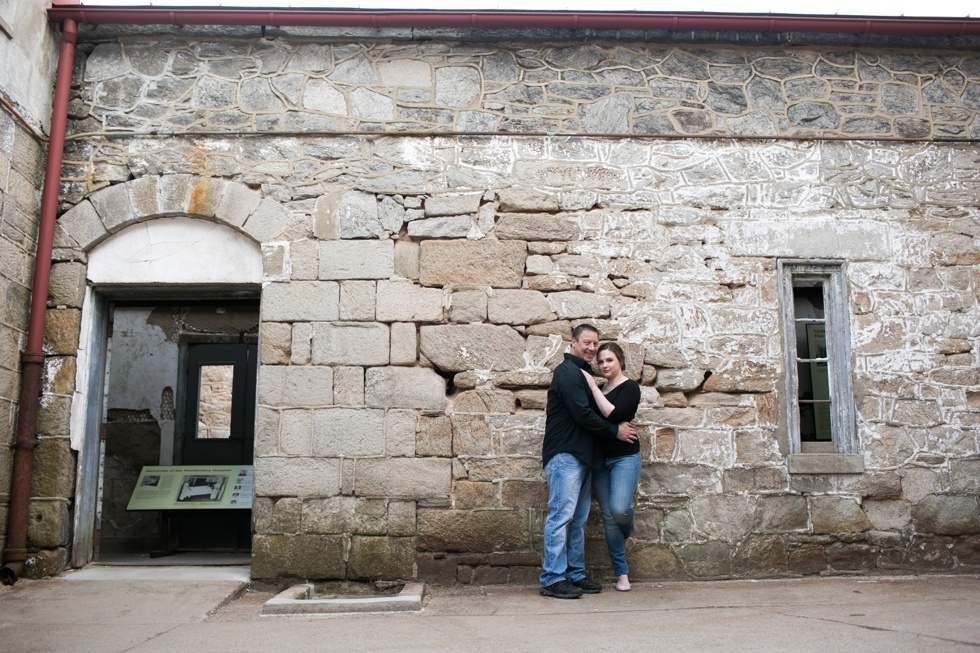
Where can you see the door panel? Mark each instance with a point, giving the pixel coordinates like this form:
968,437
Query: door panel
220,408
219,425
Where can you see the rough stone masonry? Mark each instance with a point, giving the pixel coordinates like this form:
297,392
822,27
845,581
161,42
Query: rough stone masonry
436,214
21,169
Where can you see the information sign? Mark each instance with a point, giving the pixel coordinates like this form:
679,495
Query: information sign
193,487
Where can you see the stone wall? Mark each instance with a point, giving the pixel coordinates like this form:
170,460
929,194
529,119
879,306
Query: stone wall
21,171
28,60
28,56
420,287
596,88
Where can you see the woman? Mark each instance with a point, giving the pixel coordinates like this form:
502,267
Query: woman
615,482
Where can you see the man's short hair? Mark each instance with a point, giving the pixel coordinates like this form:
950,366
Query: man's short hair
577,331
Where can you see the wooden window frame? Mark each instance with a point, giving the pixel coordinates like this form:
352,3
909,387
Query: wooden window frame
831,275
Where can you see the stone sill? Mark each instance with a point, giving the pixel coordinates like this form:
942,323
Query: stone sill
826,463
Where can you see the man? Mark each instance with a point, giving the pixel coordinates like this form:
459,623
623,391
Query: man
568,456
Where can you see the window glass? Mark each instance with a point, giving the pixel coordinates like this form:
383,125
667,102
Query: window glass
814,402
808,298
813,382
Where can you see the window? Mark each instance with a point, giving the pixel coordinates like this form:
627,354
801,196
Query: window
816,344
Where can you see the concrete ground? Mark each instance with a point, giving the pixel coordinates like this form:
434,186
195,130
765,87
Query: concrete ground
166,609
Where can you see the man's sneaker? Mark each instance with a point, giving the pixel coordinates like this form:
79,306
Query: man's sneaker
561,590
587,586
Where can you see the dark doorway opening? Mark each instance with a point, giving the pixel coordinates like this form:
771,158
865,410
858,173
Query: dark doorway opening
180,390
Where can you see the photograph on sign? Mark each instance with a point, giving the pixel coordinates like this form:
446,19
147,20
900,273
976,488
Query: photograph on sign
202,488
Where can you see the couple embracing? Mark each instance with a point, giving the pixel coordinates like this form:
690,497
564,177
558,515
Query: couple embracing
590,444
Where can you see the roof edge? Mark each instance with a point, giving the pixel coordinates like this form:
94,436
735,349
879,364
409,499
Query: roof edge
489,19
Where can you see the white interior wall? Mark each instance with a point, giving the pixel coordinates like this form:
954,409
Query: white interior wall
143,365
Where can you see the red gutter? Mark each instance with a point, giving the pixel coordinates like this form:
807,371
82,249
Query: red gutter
32,360
513,19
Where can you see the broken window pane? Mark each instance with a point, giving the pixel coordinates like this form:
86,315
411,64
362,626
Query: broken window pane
214,402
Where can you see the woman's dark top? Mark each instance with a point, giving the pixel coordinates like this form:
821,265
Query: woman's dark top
626,398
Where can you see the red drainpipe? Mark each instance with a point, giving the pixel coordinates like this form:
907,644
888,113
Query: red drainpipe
32,359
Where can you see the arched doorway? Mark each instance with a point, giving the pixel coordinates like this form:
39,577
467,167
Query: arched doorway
166,376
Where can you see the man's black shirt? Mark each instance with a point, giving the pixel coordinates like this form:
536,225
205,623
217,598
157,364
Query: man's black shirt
572,421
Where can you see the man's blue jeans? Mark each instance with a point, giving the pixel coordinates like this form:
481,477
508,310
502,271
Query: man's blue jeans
568,509
614,484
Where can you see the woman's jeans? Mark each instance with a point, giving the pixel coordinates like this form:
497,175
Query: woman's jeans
614,485
568,510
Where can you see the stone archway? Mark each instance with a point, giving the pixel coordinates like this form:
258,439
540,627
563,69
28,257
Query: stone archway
110,210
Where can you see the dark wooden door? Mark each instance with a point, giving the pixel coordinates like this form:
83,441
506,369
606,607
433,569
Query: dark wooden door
218,429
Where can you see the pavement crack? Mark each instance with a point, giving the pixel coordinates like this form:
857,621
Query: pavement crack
139,645
882,630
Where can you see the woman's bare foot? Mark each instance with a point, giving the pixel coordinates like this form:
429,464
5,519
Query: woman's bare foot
623,583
